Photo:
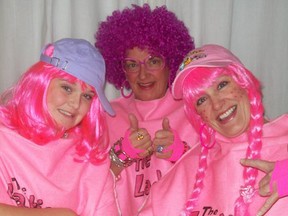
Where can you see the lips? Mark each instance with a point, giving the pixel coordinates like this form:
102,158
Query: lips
146,85
65,113
227,115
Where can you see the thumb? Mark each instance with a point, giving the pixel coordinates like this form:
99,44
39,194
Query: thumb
165,124
262,165
133,122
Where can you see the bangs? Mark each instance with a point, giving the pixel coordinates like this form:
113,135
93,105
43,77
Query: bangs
66,76
200,79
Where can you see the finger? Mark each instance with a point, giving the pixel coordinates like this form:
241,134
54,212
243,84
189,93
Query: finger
144,142
163,138
268,204
264,186
165,124
164,155
262,165
148,151
166,132
133,122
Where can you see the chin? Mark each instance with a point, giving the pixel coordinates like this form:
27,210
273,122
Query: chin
233,134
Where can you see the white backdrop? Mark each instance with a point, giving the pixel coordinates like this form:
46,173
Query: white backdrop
255,30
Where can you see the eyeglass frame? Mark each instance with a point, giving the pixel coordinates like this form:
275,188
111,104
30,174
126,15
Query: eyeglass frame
143,63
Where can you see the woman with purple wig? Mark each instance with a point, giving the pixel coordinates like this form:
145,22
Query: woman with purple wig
142,49
223,102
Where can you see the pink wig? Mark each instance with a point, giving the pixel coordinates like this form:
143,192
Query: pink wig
24,109
157,30
194,84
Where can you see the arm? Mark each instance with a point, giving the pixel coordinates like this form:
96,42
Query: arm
9,210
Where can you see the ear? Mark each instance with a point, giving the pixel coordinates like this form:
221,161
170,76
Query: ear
49,49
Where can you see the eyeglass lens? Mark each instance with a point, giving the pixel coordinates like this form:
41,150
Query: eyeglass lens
152,63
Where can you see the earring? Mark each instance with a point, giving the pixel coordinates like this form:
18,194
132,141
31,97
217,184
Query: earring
122,90
207,135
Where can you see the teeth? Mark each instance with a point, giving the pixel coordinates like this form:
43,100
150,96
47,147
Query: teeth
65,113
145,84
227,113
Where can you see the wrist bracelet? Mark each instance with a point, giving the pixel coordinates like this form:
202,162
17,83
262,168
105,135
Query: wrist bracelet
115,153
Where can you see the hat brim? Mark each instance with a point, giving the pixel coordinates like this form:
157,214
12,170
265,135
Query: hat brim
178,82
105,103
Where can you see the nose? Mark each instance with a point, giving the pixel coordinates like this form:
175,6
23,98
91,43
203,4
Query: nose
74,101
142,71
217,102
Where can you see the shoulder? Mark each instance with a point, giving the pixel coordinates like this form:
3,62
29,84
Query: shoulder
280,123
277,127
121,103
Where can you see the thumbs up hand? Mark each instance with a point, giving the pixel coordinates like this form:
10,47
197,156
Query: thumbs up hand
162,140
139,138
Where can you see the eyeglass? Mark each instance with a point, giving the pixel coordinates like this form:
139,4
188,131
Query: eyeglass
151,63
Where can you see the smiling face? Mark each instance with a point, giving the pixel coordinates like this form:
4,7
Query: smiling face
147,85
225,107
67,102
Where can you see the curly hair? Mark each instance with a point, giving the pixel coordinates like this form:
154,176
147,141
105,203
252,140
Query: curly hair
158,30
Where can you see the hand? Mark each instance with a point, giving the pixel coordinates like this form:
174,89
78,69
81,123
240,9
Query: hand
264,184
163,139
10,210
139,137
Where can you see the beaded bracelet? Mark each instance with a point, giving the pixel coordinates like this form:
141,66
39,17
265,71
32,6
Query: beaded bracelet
118,156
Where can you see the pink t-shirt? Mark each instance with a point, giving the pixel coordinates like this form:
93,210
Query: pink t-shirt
35,176
223,177
136,180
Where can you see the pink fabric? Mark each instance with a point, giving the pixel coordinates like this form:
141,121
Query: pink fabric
136,180
280,176
223,177
46,176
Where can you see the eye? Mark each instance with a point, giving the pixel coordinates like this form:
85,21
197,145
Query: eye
130,64
66,88
201,100
222,84
155,61
88,96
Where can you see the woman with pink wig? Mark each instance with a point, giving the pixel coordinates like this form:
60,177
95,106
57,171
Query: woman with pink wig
53,136
223,102
142,49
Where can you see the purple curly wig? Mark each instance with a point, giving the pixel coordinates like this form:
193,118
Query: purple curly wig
158,30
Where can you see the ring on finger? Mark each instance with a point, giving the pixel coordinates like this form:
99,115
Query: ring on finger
150,151
160,148
140,136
